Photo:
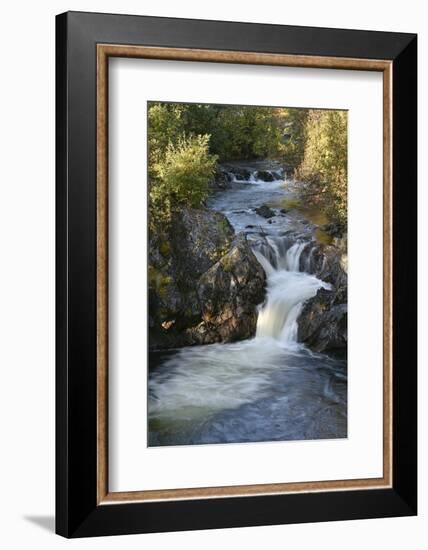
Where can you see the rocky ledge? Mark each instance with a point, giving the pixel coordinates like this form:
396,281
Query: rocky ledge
322,324
204,282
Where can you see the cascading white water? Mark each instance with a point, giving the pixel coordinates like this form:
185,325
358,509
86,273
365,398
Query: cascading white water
251,177
287,290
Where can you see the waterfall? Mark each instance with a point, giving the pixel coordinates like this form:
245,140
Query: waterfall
287,290
251,176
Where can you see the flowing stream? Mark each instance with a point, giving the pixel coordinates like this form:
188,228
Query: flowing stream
269,388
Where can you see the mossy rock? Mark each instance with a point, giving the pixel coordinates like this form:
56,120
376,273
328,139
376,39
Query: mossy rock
165,249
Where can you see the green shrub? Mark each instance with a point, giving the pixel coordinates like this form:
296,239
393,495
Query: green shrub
181,176
165,125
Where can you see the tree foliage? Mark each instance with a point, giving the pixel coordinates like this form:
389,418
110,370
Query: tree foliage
237,132
323,169
294,122
185,140
247,133
181,176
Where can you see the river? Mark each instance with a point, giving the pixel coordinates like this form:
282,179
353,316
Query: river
268,388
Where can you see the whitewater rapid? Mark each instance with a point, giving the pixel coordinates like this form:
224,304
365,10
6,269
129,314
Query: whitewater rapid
287,290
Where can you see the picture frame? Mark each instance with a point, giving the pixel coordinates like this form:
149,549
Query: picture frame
84,44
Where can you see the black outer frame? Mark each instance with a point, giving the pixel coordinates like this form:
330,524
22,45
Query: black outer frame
77,513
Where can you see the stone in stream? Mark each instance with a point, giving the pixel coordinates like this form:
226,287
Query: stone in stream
322,325
264,175
221,180
239,173
265,211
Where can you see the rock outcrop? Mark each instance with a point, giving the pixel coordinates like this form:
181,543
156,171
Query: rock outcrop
266,175
265,211
204,284
229,293
222,179
322,324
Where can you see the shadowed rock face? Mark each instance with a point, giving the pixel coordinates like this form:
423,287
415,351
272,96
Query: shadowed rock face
323,324
324,318
229,293
221,180
203,285
265,211
265,175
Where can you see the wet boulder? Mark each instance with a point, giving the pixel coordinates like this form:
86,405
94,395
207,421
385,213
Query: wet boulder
238,173
265,175
322,324
178,255
204,283
229,293
222,179
265,211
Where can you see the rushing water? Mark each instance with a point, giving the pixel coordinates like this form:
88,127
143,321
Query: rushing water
269,388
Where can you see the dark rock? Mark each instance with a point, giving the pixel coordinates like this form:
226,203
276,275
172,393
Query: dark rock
229,293
265,211
284,211
198,237
243,175
288,170
221,181
327,262
193,242
264,175
237,172
333,229
204,285
322,324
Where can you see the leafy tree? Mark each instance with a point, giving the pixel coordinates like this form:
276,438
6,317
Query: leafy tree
181,176
165,126
294,123
246,133
236,132
324,167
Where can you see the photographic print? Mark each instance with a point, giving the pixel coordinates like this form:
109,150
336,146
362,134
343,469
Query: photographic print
202,231
247,273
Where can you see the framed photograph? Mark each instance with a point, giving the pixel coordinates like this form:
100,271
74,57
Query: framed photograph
236,274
